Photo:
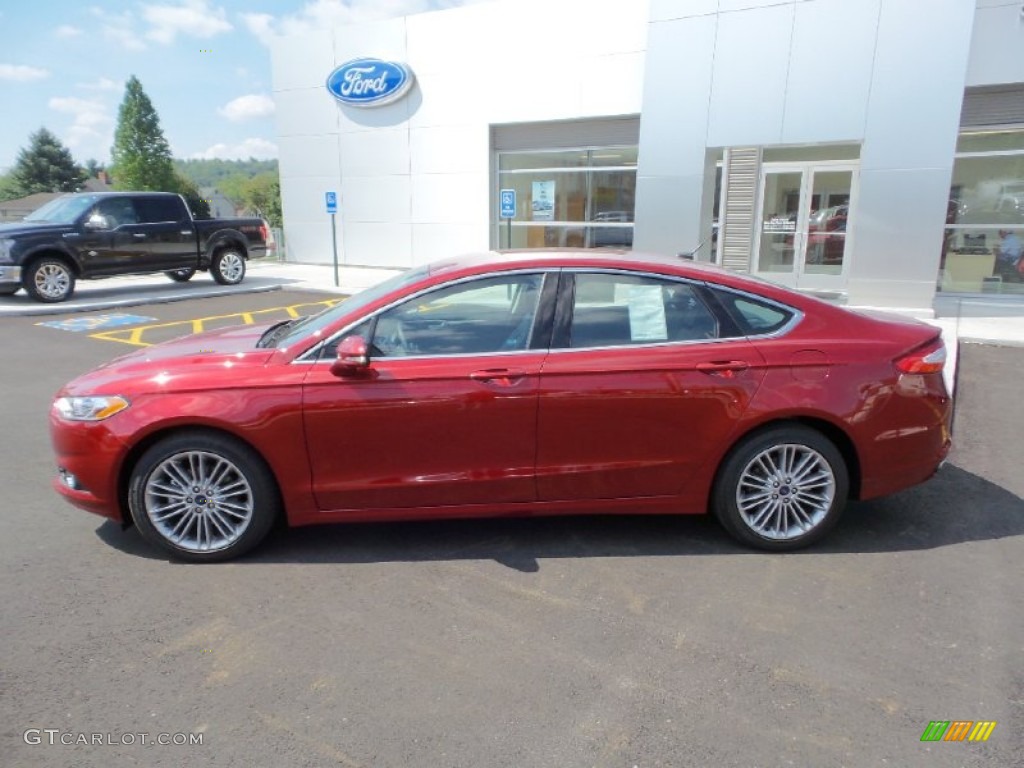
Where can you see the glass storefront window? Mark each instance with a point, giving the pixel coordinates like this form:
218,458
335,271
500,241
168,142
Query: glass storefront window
570,198
981,250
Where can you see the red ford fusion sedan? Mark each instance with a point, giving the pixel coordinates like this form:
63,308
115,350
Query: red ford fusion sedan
529,383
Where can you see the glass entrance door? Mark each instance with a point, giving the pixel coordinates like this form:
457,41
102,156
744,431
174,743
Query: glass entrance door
802,224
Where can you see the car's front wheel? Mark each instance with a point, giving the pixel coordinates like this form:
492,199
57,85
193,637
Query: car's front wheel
782,488
202,497
49,280
181,275
228,267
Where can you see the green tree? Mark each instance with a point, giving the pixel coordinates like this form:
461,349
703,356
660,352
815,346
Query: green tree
141,156
45,165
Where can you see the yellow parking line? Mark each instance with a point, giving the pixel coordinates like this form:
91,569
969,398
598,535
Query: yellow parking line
134,336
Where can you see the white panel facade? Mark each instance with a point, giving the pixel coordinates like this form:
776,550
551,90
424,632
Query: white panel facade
748,92
997,44
417,177
421,166
829,77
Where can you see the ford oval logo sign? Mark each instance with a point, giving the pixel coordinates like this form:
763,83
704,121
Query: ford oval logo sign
369,82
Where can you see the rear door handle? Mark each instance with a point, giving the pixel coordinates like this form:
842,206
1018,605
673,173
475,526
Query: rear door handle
726,368
139,235
502,377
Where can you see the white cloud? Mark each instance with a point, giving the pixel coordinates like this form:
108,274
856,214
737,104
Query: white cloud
193,18
101,84
119,28
92,128
248,107
261,149
22,74
65,31
324,14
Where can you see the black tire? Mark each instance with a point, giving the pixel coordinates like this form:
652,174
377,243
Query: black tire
228,267
231,512
794,482
180,275
49,280
9,290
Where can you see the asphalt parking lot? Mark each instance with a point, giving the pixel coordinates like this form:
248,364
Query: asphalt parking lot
571,642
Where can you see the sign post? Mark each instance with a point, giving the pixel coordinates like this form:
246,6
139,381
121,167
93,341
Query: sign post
331,201
507,212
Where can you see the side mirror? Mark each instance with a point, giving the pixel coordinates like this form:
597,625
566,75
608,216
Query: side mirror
97,221
353,357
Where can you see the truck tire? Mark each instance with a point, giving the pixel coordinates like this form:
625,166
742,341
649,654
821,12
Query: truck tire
49,280
228,267
180,275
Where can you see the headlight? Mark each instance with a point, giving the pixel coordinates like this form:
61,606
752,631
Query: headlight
95,408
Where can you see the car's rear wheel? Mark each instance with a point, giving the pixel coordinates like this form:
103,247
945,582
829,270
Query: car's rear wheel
180,275
228,267
50,280
202,497
782,488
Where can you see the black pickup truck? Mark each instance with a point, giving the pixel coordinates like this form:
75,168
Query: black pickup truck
89,236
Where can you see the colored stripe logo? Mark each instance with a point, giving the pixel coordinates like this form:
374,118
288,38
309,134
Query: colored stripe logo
958,730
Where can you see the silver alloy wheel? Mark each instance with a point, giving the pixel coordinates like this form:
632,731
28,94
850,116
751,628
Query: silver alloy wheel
52,280
785,491
232,267
198,501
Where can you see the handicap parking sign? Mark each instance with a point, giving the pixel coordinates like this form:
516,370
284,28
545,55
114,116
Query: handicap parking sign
508,203
331,198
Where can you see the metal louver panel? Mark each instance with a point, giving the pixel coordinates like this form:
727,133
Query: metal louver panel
742,170
568,134
993,105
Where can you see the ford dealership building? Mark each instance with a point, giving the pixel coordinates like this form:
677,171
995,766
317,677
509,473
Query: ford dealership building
867,150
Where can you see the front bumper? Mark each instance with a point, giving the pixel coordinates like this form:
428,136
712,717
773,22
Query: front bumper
9,275
90,454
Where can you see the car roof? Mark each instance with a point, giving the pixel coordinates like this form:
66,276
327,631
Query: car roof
553,258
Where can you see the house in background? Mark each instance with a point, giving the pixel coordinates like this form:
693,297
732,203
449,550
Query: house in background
16,210
221,206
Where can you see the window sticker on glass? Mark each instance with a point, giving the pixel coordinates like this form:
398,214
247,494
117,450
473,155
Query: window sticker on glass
646,313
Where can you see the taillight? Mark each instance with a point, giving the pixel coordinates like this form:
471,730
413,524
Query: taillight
263,231
930,358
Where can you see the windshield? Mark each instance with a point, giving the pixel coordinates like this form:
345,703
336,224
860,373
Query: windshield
63,210
315,324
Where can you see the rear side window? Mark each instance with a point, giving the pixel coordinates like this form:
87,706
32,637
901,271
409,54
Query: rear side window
754,317
155,210
620,310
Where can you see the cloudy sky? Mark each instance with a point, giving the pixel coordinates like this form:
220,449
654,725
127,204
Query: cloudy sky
205,64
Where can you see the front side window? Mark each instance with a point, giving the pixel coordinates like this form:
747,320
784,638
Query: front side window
117,211
622,310
484,316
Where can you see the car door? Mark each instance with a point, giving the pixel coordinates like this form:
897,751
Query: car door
638,388
446,413
164,233
106,244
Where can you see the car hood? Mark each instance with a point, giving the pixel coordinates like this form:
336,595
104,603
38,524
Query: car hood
31,228
197,361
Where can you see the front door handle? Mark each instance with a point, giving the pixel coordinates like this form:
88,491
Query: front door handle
502,377
139,235
725,368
